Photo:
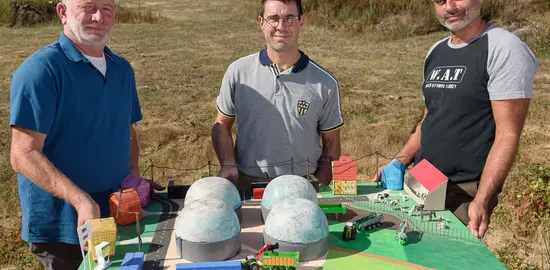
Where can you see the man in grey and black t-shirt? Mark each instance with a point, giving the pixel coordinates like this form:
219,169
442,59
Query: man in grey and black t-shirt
284,105
477,88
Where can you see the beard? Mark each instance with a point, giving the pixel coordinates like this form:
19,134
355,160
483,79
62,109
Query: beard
84,36
469,16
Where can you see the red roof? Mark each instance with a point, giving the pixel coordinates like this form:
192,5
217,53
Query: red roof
428,175
344,169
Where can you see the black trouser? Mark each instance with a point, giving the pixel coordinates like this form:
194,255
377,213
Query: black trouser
460,195
54,256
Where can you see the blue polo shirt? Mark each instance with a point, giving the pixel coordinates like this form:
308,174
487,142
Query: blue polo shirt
86,117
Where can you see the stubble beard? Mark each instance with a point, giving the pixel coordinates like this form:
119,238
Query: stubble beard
471,15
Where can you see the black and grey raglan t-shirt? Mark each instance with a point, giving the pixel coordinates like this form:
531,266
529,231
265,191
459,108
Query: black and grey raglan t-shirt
280,114
460,81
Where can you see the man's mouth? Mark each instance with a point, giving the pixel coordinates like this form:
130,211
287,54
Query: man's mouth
453,17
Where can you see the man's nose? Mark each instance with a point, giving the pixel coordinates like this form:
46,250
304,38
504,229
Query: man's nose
98,16
281,24
450,5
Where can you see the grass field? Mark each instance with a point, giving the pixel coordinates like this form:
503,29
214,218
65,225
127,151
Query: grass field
179,64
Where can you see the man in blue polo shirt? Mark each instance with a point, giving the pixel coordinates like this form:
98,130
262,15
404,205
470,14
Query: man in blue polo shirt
284,105
72,107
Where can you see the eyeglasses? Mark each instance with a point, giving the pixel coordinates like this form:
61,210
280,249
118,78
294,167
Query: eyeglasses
441,2
288,20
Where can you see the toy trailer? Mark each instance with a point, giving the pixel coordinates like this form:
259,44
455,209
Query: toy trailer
284,260
225,265
370,222
333,208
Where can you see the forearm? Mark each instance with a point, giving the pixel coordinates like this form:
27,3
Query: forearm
36,167
498,164
331,152
134,152
223,145
324,170
407,154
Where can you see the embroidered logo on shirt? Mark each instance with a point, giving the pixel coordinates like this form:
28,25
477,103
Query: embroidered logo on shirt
303,106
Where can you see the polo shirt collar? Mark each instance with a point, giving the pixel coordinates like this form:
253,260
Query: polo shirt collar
299,66
75,55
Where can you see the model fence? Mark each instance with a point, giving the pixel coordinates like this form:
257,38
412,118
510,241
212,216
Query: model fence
431,227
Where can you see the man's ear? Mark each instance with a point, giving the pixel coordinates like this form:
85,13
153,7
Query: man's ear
61,9
303,20
260,22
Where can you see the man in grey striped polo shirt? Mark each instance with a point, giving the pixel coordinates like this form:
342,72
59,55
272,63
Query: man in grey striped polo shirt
284,103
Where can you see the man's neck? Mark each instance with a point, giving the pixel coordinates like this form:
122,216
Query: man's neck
284,60
469,32
90,50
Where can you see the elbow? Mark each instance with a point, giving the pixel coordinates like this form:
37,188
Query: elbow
15,160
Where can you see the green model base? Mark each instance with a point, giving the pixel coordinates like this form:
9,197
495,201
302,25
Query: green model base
379,248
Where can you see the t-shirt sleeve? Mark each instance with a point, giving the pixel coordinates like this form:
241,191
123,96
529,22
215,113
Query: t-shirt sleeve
136,114
33,97
511,67
331,118
225,100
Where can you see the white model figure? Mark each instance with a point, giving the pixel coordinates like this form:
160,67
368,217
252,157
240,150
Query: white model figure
101,262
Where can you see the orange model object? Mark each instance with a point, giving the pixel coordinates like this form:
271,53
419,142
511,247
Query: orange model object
258,193
125,206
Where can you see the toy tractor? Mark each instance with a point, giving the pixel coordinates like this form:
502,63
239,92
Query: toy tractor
350,231
402,232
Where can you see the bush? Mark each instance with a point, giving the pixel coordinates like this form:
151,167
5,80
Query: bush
402,18
18,13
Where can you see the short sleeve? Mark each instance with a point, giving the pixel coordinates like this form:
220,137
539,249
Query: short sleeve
511,67
224,101
33,97
331,118
136,114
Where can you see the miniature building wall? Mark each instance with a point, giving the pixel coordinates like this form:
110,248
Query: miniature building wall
103,230
344,175
129,205
426,185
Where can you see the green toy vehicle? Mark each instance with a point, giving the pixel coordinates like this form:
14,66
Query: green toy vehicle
402,233
350,231
267,258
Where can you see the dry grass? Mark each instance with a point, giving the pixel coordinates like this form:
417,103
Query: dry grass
179,65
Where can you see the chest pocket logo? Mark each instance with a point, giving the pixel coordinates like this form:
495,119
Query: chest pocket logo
303,107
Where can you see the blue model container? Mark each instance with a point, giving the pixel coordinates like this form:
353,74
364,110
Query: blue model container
132,261
226,265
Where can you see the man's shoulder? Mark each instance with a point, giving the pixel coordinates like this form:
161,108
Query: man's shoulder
44,59
47,54
245,62
436,44
502,38
321,74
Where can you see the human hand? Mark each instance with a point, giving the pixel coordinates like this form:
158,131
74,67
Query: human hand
86,208
479,218
391,175
230,173
155,185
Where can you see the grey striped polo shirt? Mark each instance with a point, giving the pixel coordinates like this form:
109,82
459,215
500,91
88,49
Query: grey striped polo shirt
280,114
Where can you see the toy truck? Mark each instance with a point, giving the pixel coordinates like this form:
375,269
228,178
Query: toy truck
267,258
369,222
